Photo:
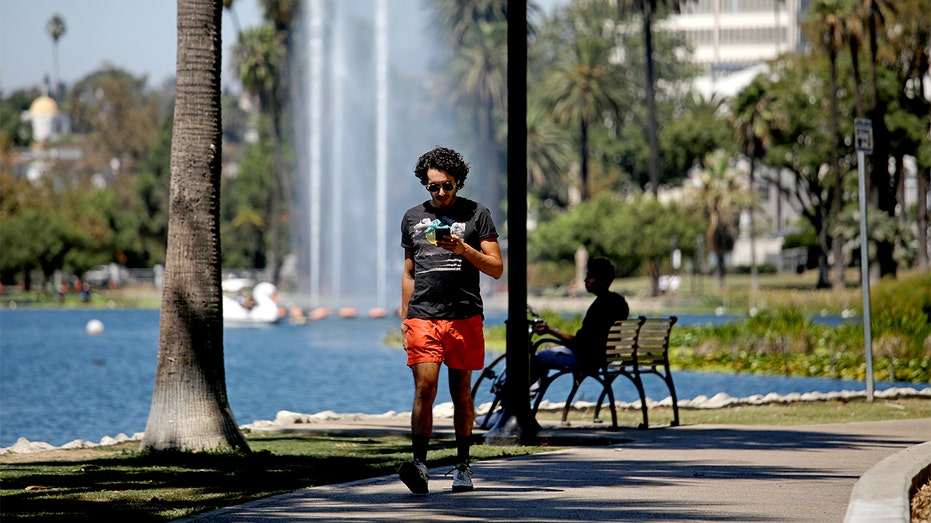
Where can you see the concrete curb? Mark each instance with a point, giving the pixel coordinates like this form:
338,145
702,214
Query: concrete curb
883,493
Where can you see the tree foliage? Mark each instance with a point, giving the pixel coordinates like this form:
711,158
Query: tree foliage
720,193
780,122
471,67
245,209
262,58
634,232
118,115
587,61
14,132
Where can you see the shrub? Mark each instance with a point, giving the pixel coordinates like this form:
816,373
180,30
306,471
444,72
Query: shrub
901,316
786,341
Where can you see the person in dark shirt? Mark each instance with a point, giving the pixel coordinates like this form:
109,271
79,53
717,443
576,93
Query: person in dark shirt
586,348
448,242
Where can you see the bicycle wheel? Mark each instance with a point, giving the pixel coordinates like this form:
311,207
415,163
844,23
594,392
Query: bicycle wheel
487,391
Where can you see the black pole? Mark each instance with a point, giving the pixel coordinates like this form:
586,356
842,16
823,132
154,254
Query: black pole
652,126
516,425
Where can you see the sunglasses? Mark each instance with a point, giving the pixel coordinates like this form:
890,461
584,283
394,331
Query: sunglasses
446,186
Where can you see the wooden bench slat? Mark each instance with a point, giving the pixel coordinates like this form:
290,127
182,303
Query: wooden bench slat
621,344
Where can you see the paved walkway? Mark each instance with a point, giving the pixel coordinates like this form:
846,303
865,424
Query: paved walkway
689,473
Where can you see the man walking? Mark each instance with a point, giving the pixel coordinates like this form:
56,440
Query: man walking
448,241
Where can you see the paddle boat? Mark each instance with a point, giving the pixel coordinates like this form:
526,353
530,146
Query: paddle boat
245,304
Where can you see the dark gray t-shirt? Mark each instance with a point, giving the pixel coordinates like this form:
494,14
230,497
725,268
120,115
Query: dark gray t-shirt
446,285
592,337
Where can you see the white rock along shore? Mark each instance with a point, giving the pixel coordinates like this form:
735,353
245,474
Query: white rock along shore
445,410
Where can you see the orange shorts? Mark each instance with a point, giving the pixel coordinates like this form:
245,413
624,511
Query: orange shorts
460,344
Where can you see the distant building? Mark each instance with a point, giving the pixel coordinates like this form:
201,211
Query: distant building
48,123
732,39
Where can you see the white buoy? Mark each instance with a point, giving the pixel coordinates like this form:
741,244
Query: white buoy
94,327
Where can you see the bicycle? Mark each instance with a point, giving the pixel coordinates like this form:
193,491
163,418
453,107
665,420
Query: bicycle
489,386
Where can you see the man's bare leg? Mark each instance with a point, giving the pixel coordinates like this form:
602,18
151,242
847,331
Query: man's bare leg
426,376
414,473
460,388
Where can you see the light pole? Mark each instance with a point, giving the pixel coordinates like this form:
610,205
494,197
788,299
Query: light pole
516,425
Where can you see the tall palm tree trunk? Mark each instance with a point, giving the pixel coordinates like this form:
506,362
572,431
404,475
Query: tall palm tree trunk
853,41
923,176
581,253
879,191
488,162
190,410
754,271
584,192
652,125
838,201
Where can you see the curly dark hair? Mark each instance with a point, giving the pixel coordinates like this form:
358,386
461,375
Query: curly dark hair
442,159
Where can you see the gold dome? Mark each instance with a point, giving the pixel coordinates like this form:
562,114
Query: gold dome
43,105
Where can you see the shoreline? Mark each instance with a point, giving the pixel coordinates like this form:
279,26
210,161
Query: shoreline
444,411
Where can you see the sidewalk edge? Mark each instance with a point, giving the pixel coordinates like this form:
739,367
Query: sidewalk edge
882,494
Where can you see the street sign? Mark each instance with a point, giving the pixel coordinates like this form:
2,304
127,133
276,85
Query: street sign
863,135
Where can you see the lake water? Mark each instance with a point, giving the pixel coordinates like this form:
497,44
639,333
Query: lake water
58,383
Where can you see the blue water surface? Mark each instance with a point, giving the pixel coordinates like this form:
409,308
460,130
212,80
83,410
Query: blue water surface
58,383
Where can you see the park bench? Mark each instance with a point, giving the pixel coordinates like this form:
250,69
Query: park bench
635,347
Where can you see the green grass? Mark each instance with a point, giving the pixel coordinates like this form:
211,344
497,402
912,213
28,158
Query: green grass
119,483
797,413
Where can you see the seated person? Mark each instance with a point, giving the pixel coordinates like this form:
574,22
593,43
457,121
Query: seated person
585,349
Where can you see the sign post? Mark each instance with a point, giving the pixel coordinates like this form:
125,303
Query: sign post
863,136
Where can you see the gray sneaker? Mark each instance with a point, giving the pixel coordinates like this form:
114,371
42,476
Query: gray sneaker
462,478
414,475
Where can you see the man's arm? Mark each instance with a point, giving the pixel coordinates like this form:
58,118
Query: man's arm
407,291
487,260
544,328
407,282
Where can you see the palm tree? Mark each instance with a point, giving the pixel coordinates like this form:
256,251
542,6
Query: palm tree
479,73
720,194
583,87
454,19
647,9
825,26
190,410
548,150
476,35
261,58
876,12
228,5
853,33
56,29
751,115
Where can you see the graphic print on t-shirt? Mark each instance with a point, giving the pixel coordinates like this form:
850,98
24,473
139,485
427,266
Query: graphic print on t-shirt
433,258
446,285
